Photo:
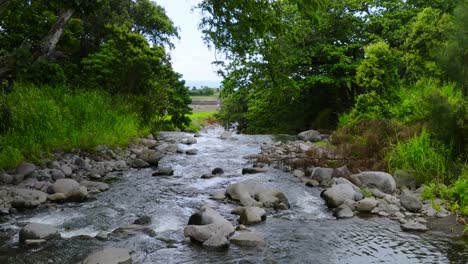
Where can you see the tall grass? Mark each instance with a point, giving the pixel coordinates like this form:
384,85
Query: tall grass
199,119
422,157
46,118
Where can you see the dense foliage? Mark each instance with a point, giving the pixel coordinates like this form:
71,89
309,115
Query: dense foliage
113,50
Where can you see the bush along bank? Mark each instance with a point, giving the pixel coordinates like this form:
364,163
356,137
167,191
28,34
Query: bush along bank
350,189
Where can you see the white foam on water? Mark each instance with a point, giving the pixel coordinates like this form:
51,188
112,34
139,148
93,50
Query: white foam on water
53,219
310,204
87,231
166,222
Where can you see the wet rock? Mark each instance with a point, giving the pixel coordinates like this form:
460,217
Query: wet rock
163,172
120,165
252,215
375,179
191,151
321,174
6,178
343,211
253,170
34,242
92,185
18,178
139,163
103,235
208,176
149,143
132,230
71,188
197,135
38,231
312,183
152,157
366,204
25,169
413,226
298,173
225,135
217,171
218,195
410,201
209,228
310,135
67,171
26,198
189,141
56,174
244,191
143,220
338,194
341,172
248,239
109,256
57,197
79,162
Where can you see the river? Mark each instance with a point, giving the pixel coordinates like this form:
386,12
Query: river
306,233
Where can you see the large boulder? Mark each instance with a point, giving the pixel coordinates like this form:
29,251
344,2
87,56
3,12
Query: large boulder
71,188
338,194
322,175
189,141
248,239
26,198
343,211
310,135
252,215
375,179
150,156
25,168
253,193
341,172
109,256
209,228
410,201
34,231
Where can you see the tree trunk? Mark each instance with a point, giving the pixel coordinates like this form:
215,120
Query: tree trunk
49,43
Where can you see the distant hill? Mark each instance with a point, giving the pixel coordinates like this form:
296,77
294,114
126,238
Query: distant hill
198,83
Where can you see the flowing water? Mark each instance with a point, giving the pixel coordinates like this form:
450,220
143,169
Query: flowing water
307,233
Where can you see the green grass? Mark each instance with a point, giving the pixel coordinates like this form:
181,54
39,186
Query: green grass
204,96
44,119
421,157
199,119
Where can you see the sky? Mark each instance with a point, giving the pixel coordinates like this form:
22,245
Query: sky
191,57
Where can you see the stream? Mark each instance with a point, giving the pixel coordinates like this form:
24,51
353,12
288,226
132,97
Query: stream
306,233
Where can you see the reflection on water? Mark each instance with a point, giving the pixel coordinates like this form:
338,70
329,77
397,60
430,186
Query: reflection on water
307,233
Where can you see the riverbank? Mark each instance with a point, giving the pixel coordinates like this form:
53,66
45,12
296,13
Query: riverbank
147,208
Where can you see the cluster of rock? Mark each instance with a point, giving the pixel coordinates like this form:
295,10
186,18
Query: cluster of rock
210,229
348,194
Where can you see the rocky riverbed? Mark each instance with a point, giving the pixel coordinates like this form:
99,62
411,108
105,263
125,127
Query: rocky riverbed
212,198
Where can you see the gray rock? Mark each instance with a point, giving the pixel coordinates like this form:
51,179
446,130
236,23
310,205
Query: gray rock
310,135
338,194
109,256
103,235
298,173
143,220
132,230
217,171
150,156
38,231
163,172
25,169
26,198
18,178
56,174
366,204
410,201
252,215
321,174
197,135
120,165
341,172
139,163
218,195
377,193
67,171
375,179
225,135
6,178
343,211
312,183
405,180
248,239
57,197
149,143
71,188
92,185
413,226
79,162
191,152
208,176
209,228
253,170
189,141
244,191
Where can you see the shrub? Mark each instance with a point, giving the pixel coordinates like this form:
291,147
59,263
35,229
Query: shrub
422,157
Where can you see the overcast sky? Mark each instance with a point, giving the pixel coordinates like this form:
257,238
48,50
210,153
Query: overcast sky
190,57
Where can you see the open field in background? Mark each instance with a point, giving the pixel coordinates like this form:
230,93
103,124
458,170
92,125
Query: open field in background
200,119
205,103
